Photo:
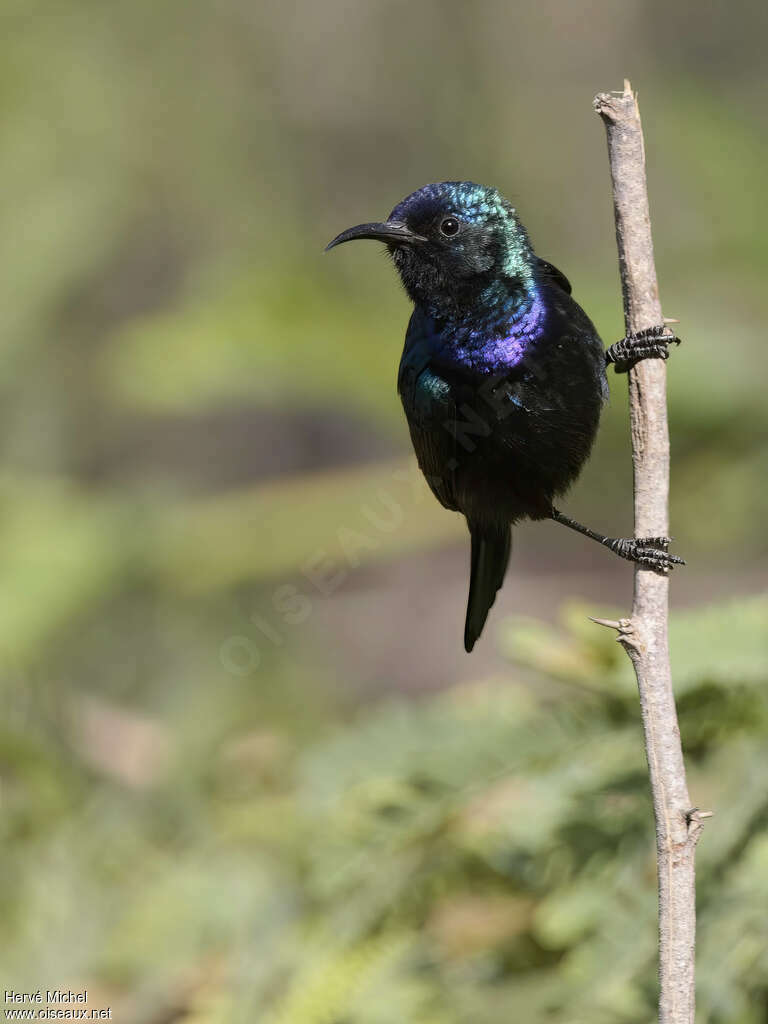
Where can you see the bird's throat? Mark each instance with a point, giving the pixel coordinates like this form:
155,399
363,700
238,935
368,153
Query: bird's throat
495,335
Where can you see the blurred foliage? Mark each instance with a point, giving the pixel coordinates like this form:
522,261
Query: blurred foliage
206,477
484,852
167,194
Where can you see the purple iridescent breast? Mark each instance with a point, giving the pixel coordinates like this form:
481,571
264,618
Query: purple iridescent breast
498,343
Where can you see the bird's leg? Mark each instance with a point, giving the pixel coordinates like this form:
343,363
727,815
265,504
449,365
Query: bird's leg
652,343
650,552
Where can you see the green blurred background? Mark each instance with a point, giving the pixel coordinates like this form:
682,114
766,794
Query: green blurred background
247,771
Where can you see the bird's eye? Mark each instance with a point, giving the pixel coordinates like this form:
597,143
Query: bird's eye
449,226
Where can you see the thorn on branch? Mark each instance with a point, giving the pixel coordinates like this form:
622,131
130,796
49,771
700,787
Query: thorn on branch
610,623
624,627
694,819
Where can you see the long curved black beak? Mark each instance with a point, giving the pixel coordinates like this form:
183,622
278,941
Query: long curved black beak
391,232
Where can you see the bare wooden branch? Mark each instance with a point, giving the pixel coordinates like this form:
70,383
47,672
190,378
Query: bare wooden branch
644,635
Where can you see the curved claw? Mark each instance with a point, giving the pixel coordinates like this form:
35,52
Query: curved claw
654,558
652,343
652,553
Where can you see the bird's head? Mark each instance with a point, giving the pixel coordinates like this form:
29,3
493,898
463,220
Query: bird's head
449,241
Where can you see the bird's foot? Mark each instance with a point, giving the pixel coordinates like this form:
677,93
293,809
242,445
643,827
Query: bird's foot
652,343
650,552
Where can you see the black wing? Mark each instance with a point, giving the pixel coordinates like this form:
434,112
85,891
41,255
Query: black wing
557,277
430,409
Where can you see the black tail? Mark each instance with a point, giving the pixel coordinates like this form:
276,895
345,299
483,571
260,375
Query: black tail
490,556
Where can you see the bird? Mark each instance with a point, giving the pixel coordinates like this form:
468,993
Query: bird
502,377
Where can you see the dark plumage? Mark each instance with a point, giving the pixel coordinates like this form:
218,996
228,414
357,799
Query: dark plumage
503,374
